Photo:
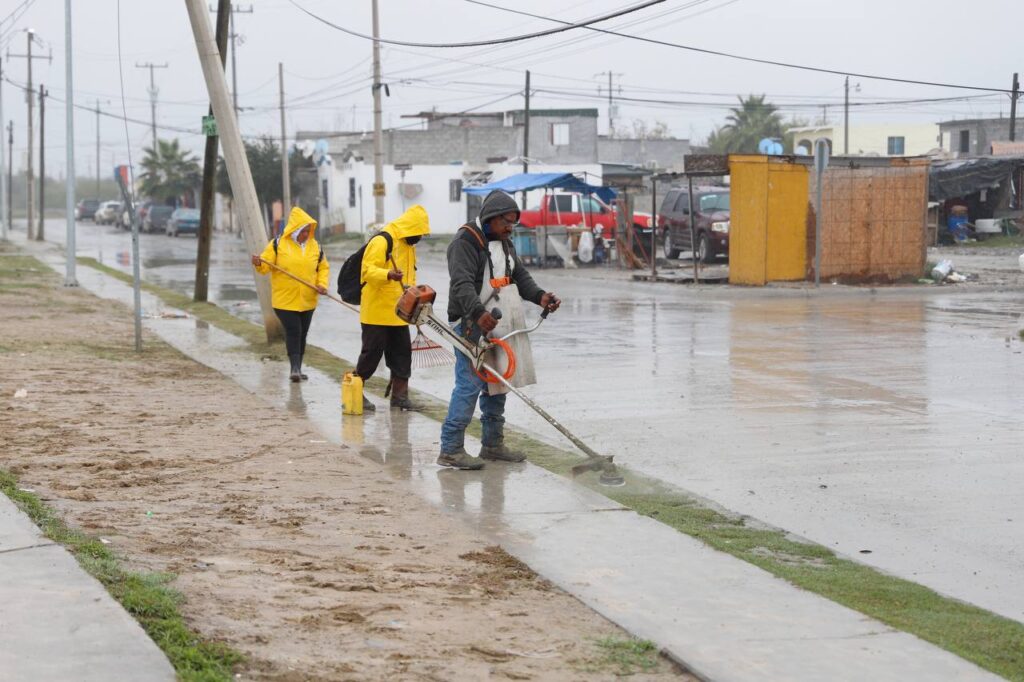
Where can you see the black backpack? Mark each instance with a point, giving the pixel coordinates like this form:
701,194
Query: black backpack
350,288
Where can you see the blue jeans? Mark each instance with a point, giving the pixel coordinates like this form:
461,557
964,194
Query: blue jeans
468,386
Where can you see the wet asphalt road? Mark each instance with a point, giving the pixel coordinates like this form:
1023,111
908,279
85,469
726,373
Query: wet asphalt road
887,427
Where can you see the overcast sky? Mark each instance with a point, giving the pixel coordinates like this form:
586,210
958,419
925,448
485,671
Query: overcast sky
327,73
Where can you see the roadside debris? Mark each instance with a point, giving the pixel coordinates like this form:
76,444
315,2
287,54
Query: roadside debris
21,393
167,316
944,273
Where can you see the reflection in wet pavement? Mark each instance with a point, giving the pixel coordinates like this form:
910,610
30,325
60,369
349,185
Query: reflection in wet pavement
885,422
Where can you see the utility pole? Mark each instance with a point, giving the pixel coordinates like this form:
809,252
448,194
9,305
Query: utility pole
4,221
1013,108
42,162
846,117
207,196
242,186
29,97
378,134
611,106
286,191
526,132
152,94
230,14
97,150
10,170
69,135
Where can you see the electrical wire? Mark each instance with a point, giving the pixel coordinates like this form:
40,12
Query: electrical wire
756,60
567,26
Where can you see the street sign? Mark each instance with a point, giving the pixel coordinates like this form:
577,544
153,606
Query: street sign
209,126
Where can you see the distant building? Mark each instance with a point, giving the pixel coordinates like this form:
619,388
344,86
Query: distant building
974,136
430,165
883,139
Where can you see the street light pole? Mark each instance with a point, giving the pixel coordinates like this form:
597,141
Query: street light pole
3,153
42,161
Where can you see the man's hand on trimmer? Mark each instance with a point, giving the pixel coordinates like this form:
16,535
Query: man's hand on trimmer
486,322
550,302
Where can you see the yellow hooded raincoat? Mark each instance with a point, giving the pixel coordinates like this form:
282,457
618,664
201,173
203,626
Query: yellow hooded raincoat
380,295
286,293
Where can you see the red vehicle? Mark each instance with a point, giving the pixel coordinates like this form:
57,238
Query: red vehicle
577,209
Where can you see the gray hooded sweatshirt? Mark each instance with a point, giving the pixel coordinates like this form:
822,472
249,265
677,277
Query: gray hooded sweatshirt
468,265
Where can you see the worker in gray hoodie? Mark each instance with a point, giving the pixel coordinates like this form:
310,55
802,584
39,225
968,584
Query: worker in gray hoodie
485,273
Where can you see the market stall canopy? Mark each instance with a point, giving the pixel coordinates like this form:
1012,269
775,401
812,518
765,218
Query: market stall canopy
524,182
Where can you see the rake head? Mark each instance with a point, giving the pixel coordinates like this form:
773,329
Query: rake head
427,353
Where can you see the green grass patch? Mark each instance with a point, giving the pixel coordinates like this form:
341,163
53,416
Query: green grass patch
146,596
999,241
989,640
626,657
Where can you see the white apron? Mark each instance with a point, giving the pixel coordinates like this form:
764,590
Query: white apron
513,318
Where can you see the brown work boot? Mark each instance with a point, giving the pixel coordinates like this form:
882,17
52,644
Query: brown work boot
500,453
400,395
460,459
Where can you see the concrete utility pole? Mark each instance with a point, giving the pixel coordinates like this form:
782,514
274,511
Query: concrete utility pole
42,162
152,94
611,106
846,117
10,170
286,190
231,12
207,197
1013,108
242,186
4,222
69,159
97,150
378,133
29,97
526,131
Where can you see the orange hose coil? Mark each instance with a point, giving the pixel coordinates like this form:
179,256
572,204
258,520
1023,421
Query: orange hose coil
490,378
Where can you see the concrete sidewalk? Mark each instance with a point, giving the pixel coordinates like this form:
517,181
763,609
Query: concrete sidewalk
722,618
57,622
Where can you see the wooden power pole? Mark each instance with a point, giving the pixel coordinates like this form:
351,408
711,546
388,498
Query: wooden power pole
208,195
239,173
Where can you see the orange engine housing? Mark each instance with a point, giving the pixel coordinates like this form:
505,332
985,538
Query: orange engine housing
412,302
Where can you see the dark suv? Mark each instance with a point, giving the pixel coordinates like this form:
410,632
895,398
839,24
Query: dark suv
711,204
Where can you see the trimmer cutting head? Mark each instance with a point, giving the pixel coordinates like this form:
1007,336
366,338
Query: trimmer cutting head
610,475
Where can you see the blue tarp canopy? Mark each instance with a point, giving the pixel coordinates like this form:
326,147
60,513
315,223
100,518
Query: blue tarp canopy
524,182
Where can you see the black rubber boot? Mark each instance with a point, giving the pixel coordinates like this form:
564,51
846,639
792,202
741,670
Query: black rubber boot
295,375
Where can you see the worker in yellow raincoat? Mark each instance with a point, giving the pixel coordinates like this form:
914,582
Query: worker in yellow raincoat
296,251
389,265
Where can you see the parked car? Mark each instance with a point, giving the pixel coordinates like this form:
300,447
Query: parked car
183,220
86,209
156,218
576,209
141,210
711,205
108,213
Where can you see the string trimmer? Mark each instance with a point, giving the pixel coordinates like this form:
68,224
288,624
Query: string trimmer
416,306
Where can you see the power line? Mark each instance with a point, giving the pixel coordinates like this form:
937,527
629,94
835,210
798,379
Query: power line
568,26
756,60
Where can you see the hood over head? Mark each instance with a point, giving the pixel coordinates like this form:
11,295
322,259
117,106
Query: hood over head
297,220
497,203
413,223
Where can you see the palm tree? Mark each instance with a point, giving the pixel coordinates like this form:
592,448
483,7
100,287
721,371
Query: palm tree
169,172
747,125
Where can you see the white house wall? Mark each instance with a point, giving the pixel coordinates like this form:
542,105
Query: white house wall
446,216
